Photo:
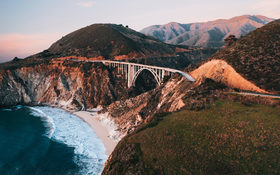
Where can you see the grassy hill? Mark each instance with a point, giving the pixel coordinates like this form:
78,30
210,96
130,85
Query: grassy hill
256,56
112,41
227,138
109,40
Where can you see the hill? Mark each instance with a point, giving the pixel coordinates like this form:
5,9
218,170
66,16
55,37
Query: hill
109,41
216,131
257,56
115,42
207,34
213,133
203,142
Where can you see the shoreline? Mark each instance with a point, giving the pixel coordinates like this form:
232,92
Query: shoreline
102,131
100,128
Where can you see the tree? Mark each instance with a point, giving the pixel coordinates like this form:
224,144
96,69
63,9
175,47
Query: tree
16,59
231,39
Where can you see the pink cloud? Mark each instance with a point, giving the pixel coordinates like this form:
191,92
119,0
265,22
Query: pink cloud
86,4
23,45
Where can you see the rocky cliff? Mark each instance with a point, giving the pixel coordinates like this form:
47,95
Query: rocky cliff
61,83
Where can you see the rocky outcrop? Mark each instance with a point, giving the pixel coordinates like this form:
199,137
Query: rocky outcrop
175,94
65,84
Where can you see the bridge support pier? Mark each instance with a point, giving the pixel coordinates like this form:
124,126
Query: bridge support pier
130,75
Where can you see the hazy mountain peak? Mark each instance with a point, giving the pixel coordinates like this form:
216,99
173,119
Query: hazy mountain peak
206,34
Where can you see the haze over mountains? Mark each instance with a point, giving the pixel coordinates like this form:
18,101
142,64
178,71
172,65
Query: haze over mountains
206,34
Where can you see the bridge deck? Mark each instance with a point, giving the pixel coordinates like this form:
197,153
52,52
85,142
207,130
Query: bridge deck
187,76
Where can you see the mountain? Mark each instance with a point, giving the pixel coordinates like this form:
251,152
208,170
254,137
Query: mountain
207,34
51,70
256,57
109,41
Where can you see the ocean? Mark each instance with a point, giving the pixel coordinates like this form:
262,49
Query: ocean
47,141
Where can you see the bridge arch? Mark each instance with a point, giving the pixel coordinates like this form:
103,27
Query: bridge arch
157,78
132,70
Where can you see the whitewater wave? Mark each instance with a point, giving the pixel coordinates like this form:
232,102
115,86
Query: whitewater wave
66,128
47,120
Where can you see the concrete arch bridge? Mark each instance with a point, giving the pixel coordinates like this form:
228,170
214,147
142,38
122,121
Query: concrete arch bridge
132,70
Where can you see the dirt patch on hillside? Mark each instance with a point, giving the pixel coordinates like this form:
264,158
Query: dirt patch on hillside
221,71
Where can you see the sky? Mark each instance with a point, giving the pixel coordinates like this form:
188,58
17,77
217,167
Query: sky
30,26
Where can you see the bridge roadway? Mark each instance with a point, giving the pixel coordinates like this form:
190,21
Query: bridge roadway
132,70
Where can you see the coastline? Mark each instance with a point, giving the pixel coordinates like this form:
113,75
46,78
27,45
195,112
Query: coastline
101,129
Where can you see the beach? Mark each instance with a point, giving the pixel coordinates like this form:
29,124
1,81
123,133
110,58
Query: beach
102,129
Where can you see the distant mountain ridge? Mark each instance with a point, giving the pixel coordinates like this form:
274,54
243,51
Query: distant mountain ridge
206,34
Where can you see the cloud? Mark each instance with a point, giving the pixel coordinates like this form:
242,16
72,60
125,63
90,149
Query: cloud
269,8
86,4
23,45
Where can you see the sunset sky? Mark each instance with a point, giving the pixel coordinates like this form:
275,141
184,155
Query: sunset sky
30,26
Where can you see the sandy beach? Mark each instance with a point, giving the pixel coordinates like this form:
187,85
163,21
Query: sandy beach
102,130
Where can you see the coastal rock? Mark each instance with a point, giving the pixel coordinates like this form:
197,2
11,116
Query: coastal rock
63,84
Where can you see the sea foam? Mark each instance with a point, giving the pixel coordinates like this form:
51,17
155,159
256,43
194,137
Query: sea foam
71,130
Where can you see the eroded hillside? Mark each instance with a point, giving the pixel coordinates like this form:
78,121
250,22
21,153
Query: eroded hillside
65,84
256,57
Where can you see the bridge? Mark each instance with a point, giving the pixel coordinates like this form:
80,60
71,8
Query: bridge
132,70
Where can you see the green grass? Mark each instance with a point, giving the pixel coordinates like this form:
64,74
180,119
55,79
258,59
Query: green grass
229,138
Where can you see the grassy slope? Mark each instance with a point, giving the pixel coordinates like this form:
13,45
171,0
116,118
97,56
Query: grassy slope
229,138
257,56
109,40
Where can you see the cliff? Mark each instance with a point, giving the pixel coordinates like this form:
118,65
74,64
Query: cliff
65,84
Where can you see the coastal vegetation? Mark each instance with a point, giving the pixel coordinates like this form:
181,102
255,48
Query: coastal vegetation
227,138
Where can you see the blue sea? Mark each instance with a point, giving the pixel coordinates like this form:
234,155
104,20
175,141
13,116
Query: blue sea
47,141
